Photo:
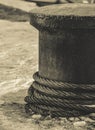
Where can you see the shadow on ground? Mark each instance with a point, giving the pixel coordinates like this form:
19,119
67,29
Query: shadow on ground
44,3
13,14
39,3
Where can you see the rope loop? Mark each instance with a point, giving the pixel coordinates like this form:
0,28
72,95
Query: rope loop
58,98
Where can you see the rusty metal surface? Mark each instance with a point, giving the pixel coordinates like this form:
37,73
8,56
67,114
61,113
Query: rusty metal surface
67,42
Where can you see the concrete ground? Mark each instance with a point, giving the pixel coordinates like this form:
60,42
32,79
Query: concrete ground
18,62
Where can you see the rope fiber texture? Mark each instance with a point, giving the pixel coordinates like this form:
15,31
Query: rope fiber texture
49,97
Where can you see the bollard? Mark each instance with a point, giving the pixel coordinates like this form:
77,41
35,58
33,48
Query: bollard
65,83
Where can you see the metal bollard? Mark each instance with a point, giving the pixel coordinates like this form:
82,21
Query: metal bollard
65,83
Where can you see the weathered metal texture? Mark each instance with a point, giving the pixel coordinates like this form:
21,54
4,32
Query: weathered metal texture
66,42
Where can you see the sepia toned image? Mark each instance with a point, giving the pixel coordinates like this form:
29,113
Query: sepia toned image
47,64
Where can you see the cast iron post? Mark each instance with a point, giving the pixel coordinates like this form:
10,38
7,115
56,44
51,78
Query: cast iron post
66,60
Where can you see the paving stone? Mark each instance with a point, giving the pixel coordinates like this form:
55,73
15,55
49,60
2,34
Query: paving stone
79,124
87,119
36,116
71,119
92,116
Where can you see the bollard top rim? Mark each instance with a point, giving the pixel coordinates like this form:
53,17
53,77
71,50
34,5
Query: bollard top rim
71,9
56,18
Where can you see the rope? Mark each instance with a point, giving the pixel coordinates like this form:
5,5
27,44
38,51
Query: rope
56,98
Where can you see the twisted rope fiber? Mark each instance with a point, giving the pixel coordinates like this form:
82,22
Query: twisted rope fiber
62,85
59,98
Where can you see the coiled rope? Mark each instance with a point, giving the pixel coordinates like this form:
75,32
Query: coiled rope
49,97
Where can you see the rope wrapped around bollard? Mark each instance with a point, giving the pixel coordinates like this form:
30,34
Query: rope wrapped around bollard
60,99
